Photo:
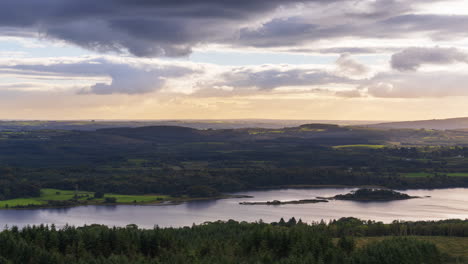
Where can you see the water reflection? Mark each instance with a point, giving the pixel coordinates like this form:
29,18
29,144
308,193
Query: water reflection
56,210
105,208
443,204
200,205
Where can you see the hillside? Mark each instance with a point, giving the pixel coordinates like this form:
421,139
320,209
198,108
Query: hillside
439,124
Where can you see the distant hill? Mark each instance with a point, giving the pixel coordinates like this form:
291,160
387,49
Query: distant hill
92,125
438,124
155,133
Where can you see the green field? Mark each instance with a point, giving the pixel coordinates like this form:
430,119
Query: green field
64,195
417,174
21,201
454,246
427,174
360,146
257,132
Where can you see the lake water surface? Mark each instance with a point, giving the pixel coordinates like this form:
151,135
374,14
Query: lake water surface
443,204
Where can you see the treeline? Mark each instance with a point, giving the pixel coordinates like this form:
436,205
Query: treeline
218,242
204,182
351,226
181,181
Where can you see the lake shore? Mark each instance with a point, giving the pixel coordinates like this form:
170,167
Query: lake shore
54,198
162,200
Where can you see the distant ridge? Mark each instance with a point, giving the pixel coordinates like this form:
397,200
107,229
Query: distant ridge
438,124
93,125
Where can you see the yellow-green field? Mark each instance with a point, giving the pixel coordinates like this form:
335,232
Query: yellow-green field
312,129
360,146
63,195
427,174
454,246
256,132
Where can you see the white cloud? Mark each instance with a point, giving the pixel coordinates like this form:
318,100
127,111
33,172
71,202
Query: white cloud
418,85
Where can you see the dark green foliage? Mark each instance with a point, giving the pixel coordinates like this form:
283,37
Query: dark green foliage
351,226
11,187
218,242
366,194
202,191
110,200
98,195
398,250
347,244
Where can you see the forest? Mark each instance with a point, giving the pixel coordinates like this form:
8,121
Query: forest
181,161
289,241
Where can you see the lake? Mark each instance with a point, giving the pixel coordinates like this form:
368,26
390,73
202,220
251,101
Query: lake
443,204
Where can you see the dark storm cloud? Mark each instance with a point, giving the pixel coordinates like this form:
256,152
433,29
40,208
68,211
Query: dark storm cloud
173,28
143,27
413,58
299,30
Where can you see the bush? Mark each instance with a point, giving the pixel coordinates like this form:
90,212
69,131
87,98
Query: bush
110,200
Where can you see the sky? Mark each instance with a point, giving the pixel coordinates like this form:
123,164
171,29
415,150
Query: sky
224,59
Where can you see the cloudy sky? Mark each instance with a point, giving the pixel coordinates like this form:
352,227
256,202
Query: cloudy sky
222,59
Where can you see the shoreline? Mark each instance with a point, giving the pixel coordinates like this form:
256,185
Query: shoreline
178,201
175,201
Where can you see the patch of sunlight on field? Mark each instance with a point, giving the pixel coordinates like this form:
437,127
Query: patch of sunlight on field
427,174
256,132
305,129
360,146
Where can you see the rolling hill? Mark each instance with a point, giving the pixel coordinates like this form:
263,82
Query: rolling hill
438,124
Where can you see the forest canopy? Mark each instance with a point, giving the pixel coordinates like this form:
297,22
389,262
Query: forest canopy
223,242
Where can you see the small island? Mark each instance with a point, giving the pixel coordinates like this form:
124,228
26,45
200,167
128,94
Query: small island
368,194
277,202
